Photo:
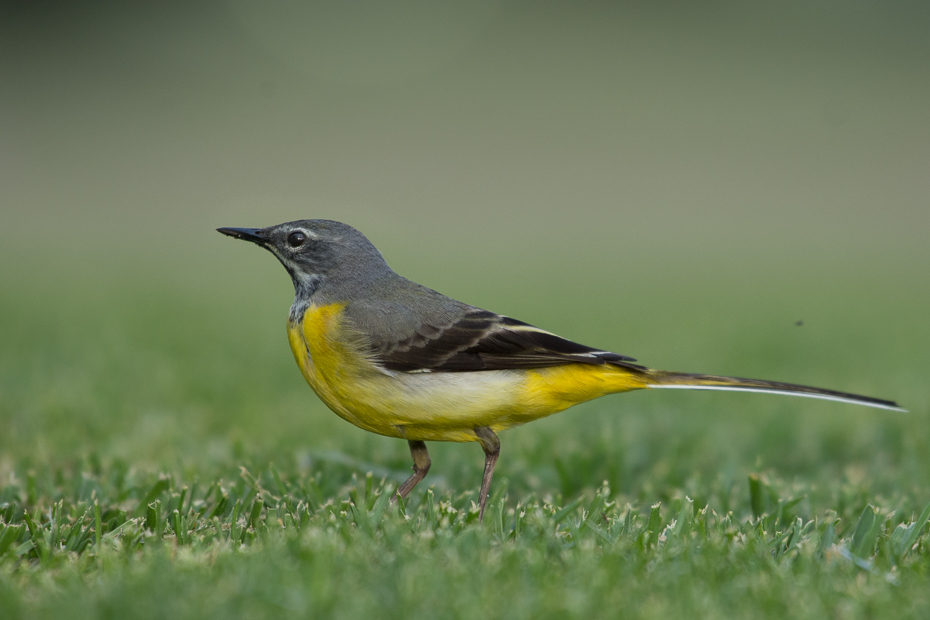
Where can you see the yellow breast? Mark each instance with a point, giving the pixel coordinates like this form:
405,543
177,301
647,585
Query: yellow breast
331,360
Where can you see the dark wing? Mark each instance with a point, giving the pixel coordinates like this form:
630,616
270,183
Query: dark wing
482,340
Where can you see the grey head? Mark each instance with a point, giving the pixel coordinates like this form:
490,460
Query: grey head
319,254
332,262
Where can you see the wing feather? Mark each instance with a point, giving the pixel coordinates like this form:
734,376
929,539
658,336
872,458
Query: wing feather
483,340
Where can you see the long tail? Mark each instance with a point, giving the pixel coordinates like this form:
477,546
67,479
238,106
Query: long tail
687,381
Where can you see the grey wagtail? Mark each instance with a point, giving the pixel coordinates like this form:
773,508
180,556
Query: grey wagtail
398,359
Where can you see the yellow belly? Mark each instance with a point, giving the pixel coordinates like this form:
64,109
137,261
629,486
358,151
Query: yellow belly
443,406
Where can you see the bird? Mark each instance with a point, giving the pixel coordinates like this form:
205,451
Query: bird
401,360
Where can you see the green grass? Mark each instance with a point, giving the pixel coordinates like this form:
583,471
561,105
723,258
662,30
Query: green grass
270,545
161,457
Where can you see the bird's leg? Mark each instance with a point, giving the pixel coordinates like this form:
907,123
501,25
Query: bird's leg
492,449
420,467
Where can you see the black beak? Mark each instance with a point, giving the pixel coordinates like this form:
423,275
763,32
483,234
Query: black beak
246,234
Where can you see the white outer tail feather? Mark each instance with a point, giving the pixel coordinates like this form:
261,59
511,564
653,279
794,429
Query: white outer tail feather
728,388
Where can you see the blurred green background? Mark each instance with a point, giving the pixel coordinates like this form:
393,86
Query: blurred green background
731,188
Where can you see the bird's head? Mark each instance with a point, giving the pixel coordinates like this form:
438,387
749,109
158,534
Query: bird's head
313,251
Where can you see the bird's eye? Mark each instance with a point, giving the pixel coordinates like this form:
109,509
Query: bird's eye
296,239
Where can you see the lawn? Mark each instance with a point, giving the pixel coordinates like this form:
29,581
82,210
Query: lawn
735,189
160,455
